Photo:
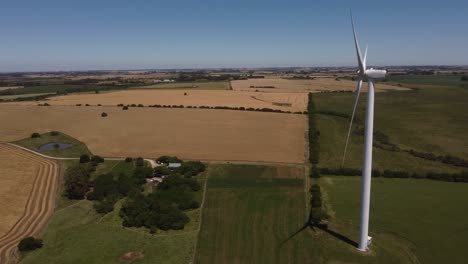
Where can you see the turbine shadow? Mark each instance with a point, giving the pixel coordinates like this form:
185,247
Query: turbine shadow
337,235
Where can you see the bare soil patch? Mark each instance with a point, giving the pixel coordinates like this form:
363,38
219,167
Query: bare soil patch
132,256
152,132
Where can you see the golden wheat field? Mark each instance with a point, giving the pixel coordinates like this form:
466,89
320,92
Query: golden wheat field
295,101
28,185
151,132
317,84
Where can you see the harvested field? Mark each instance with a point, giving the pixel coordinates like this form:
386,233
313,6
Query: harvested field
318,84
28,185
151,132
193,98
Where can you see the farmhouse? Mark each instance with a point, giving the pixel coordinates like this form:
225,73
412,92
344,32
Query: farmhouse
174,165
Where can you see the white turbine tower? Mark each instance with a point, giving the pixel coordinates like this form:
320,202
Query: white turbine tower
370,75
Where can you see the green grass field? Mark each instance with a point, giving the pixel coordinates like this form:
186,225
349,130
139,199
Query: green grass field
53,88
423,221
442,80
250,212
77,234
257,214
214,85
12,97
75,151
430,120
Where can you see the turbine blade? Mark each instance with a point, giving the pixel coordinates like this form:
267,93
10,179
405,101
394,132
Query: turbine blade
362,69
364,62
358,91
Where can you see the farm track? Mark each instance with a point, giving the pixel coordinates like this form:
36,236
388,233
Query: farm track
39,206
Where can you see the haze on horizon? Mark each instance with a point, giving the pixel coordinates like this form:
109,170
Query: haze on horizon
67,35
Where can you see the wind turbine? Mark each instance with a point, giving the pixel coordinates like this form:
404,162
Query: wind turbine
371,75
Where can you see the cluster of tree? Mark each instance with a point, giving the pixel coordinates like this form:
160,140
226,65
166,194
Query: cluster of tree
315,172
314,147
448,159
162,208
95,159
316,212
29,243
452,177
35,135
77,180
108,189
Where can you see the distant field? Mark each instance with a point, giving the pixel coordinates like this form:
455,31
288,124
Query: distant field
2,88
221,85
52,88
287,85
295,101
149,132
432,120
11,97
411,218
429,80
250,214
28,186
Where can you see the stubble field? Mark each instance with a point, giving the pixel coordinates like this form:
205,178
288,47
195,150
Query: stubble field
151,132
295,101
28,185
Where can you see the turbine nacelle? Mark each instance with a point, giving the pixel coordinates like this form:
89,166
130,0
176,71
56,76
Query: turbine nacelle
375,74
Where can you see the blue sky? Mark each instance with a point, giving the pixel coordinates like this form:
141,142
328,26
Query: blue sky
88,35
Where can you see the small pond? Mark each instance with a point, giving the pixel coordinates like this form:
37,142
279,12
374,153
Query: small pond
54,145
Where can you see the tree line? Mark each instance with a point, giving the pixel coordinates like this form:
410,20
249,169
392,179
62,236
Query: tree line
241,108
314,145
440,176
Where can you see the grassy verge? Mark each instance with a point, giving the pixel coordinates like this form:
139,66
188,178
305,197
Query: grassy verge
75,151
413,218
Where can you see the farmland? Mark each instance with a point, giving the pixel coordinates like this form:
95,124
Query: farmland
258,214
411,217
28,191
430,120
188,133
221,85
295,101
250,213
311,85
